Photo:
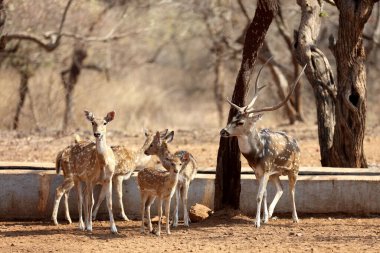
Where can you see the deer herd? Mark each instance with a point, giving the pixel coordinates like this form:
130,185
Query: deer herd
85,164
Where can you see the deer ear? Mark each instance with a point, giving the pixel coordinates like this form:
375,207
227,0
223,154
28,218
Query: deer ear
186,156
158,137
163,133
169,137
146,132
89,115
110,116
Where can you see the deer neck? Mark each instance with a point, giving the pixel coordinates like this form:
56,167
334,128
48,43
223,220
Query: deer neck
101,146
165,156
141,159
250,144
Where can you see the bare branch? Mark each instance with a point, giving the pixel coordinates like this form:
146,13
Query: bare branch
106,38
244,10
49,43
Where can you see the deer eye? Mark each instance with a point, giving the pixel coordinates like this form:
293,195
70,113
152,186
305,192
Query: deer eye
105,123
93,123
239,123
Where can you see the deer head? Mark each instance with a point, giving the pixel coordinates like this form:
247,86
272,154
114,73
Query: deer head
159,139
246,117
99,125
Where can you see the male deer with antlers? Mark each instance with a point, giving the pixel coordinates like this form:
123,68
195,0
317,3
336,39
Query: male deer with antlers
270,153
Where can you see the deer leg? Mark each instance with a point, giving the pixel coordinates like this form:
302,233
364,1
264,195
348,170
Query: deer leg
89,202
184,193
108,184
67,211
118,180
176,205
60,191
148,205
143,201
265,208
101,197
262,188
159,206
167,213
277,197
80,205
292,184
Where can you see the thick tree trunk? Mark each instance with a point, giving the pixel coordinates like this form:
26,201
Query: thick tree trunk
319,74
347,150
23,90
227,182
69,80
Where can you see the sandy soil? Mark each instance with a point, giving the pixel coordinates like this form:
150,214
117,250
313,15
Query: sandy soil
223,232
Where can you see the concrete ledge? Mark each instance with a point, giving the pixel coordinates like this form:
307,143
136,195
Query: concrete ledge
29,193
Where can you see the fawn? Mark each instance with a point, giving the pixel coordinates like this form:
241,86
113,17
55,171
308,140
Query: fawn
154,183
188,173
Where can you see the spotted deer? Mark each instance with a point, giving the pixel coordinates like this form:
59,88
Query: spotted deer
127,161
270,153
160,148
94,163
154,183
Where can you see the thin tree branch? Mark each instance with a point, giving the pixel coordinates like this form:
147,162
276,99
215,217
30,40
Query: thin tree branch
50,42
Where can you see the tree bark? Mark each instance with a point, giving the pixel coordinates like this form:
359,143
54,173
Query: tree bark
319,74
227,181
347,149
23,90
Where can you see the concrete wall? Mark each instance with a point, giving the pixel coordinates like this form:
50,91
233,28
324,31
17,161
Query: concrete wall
29,194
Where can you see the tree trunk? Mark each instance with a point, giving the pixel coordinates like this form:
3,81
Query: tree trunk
228,168
319,74
23,90
347,150
69,80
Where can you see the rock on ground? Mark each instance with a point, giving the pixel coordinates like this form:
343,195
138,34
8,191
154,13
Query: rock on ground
199,212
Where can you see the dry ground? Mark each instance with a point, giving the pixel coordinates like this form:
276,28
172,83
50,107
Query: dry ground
221,233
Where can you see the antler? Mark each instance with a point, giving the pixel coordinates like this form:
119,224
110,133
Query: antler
272,108
240,109
257,91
